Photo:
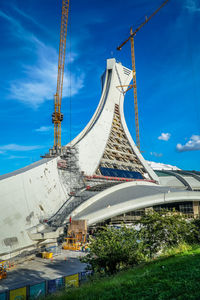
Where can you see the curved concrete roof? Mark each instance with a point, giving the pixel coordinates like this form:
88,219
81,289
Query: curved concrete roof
127,197
179,178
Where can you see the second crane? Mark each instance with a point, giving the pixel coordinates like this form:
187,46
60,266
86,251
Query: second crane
134,85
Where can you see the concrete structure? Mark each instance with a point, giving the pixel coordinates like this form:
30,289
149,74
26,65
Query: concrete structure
100,175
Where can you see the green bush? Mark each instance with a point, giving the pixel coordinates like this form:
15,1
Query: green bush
112,249
196,233
164,229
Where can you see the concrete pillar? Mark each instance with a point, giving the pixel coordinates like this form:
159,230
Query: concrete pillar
196,209
148,209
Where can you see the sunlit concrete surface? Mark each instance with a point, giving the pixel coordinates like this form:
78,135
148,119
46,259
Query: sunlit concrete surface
129,197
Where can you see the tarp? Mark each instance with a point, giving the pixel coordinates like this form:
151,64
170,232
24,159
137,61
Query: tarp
18,294
37,290
85,275
54,285
2,296
72,280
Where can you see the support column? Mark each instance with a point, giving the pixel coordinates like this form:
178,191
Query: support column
196,209
148,209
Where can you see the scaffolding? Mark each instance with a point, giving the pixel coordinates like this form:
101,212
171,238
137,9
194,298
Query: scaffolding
71,170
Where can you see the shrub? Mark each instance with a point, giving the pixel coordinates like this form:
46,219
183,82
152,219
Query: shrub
164,229
196,233
112,249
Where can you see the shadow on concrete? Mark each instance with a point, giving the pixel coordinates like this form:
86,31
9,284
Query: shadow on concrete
39,270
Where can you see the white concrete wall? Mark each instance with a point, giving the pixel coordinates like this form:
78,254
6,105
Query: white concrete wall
93,139
25,199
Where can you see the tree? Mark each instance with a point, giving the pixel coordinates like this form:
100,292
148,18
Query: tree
196,232
162,230
112,249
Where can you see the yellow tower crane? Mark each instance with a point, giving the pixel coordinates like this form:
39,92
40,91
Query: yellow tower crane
57,116
134,85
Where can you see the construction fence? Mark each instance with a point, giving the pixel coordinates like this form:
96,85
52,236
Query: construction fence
38,290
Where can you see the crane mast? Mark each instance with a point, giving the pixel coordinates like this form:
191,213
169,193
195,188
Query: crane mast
134,85
135,90
57,116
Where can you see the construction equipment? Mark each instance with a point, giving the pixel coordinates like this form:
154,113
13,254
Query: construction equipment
57,116
3,272
71,243
77,232
47,255
134,85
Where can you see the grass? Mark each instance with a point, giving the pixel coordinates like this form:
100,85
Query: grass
174,277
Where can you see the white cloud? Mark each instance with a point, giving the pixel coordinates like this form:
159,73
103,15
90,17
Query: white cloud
156,154
191,145
164,136
15,147
8,18
192,5
40,81
44,129
17,29
28,17
17,157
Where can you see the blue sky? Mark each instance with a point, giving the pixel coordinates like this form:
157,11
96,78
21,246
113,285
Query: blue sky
167,52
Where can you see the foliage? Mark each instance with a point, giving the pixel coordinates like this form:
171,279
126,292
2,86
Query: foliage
196,224
162,230
180,248
112,249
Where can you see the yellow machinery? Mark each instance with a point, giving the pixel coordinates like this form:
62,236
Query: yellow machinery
3,272
134,86
57,116
71,244
77,232
47,255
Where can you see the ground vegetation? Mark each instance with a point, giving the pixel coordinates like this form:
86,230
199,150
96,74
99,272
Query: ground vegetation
174,277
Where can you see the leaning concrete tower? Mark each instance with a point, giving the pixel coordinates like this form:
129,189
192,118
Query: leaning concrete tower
105,145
